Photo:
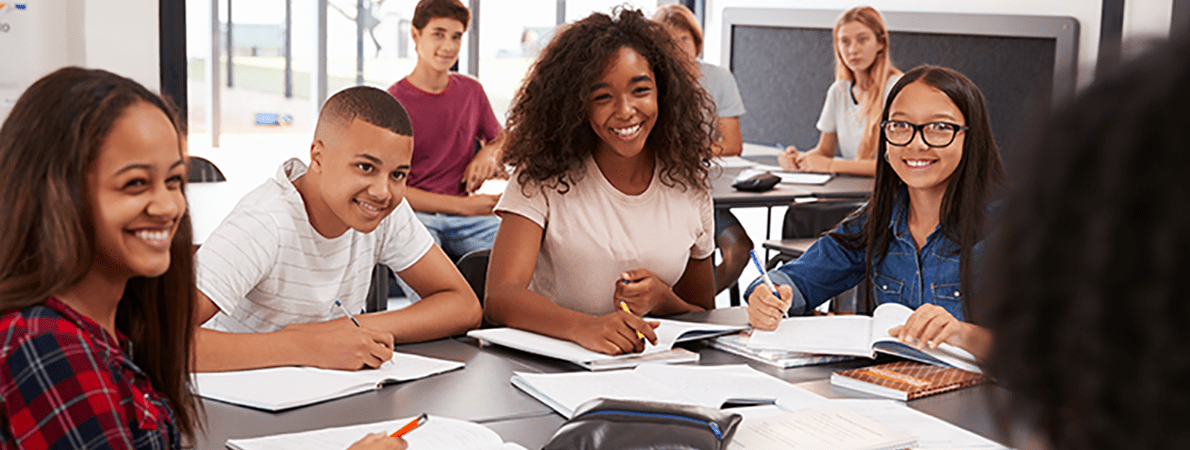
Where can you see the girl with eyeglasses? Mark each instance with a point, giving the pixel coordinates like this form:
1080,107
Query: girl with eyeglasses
914,243
863,76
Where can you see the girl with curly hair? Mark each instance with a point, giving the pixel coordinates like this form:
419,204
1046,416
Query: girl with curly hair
937,168
609,215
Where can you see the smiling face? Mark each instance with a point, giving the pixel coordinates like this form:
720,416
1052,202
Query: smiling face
921,167
857,46
438,43
623,104
135,191
361,170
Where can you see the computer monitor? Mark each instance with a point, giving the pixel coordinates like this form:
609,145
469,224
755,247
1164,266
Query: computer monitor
784,63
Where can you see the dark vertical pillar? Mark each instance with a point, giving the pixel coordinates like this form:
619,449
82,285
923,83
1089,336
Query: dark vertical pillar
171,32
288,48
1179,24
1111,31
359,42
473,41
229,44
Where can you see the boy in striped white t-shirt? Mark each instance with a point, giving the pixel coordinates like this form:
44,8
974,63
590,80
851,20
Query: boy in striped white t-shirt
269,275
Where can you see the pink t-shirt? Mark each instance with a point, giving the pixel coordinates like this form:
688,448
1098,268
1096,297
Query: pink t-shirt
445,126
594,233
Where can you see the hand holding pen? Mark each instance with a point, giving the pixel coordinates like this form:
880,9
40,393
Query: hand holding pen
767,306
788,158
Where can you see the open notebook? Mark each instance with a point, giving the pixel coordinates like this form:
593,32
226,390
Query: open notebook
709,386
279,388
668,333
858,336
437,433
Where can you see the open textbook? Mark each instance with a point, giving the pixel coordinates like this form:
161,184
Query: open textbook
437,433
710,386
858,336
668,333
278,388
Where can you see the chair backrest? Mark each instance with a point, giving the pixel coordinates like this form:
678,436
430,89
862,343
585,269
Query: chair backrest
203,170
474,267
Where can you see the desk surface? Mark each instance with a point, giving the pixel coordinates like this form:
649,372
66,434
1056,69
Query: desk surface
482,392
840,186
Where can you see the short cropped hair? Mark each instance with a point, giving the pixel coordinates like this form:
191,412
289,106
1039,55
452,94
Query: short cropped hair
428,10
678,16
368,104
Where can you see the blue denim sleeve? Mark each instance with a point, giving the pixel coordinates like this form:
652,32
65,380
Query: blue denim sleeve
824,271
797,307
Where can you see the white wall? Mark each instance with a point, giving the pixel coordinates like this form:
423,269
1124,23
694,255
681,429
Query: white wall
1142,18
122,37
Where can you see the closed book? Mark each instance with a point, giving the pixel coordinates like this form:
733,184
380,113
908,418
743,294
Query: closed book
906,380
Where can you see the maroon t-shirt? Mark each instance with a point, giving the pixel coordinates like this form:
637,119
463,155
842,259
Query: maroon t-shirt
445,126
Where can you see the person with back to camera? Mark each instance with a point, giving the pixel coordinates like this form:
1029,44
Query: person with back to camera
730,237
1088,273
609,204
915,242
864,74
95,262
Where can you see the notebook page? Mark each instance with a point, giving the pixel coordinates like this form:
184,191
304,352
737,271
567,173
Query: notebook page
712,385
437,433
286,387
836,335
569,390
890,315
931,432
830,427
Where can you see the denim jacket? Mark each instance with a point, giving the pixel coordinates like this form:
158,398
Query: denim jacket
905,276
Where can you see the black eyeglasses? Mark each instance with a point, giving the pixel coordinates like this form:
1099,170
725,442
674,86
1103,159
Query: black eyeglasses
935,134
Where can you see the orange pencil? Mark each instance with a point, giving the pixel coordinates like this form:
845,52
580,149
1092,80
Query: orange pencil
412,425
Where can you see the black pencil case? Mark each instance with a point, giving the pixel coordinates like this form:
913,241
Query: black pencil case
605,424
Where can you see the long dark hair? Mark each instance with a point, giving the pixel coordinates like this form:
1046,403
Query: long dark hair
549,135
977,178
47,145
1088,273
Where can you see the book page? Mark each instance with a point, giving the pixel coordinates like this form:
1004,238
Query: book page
537,344
566,391
437,433
931,432
829,427
277,388
836,335
712,385
671,332
890,315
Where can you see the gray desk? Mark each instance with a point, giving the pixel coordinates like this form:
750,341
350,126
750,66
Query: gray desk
481,392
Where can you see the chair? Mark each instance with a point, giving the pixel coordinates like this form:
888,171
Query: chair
377,299
203,170
474,267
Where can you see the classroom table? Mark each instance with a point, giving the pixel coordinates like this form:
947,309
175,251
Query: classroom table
482,392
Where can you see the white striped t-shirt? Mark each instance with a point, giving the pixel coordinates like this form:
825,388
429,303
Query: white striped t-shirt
266,267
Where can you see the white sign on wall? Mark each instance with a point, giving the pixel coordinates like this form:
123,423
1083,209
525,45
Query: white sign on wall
36,37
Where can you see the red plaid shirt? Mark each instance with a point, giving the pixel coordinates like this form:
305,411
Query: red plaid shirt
67,384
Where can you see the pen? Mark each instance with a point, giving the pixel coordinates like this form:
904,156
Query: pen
768,282
412,425
348,313
624,306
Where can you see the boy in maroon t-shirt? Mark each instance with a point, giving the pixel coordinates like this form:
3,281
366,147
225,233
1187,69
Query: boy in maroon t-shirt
450,114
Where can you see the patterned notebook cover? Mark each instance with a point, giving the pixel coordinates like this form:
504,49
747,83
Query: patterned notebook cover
906,380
